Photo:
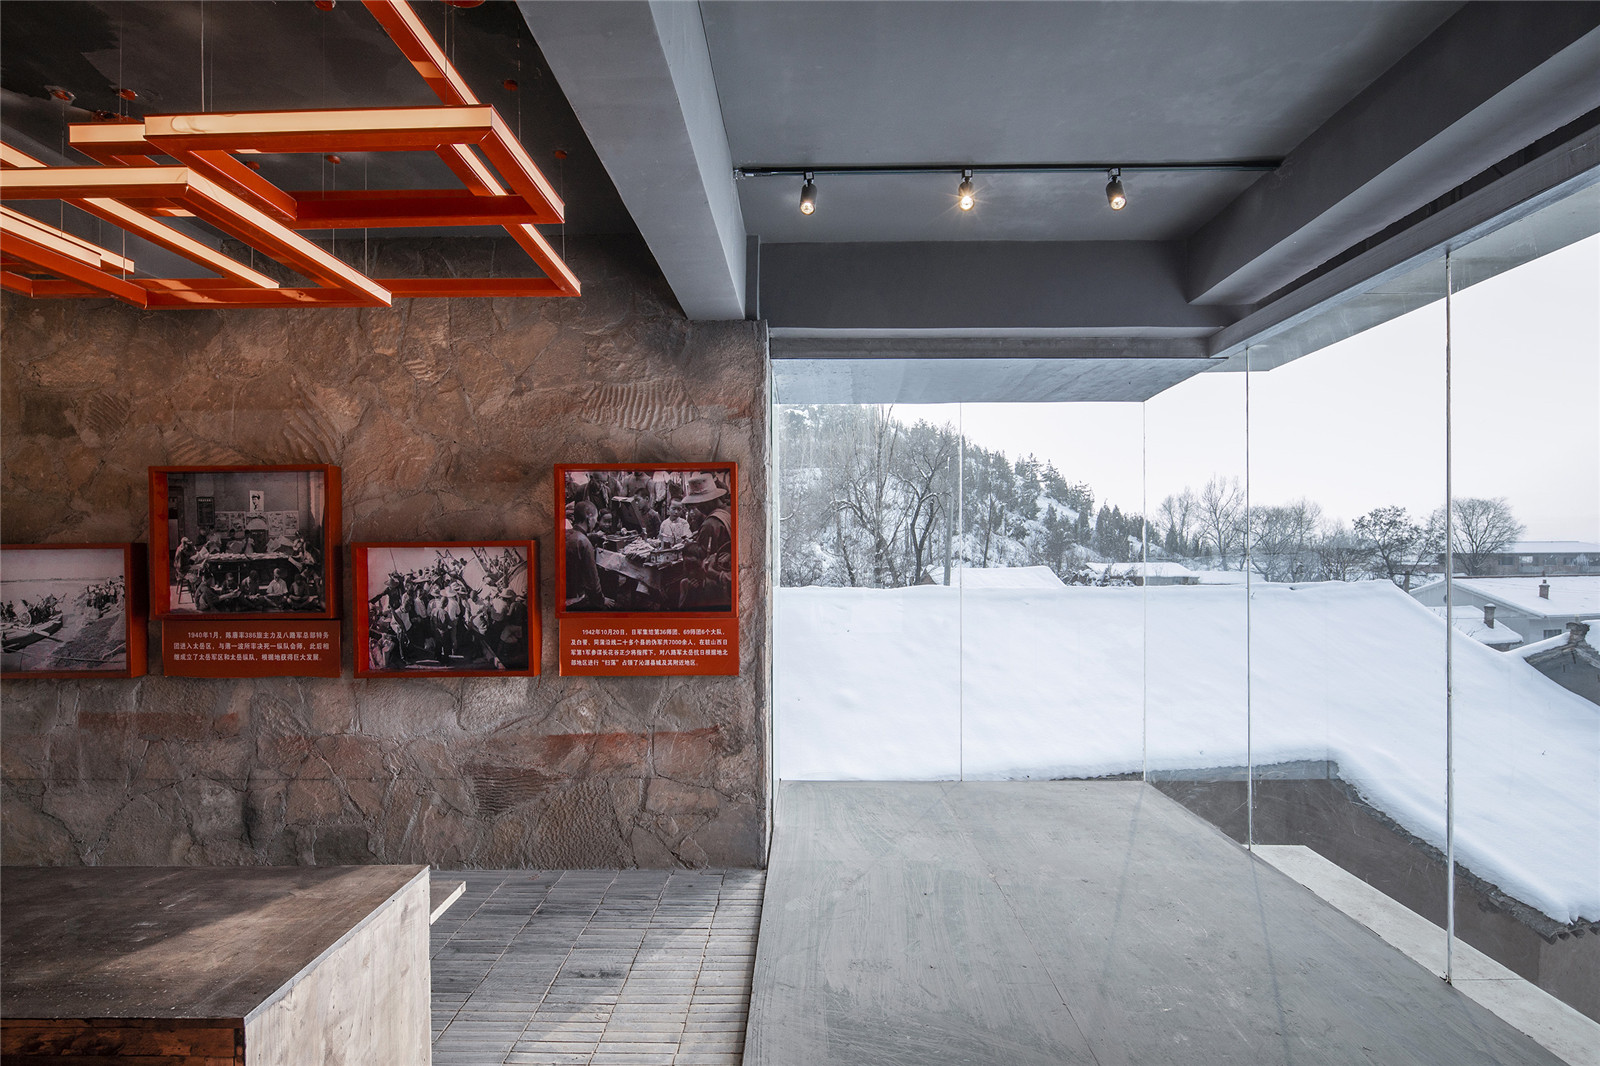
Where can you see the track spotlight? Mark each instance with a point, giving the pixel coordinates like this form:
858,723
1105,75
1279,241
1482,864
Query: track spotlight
965,191
808,196
1114,194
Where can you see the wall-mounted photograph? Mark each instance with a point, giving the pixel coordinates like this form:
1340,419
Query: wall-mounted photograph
244,542
461,609
72,610
653,538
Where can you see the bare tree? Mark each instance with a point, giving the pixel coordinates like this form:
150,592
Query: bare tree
1394,541
1282,540
861,489
1481,527
925,475
1177,515
1222,519
1342,555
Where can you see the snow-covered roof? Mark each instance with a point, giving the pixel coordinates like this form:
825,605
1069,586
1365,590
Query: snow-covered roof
870,686
1164,568
1469,620
1221,577
1553,547
1549,644
1009,577
1569,593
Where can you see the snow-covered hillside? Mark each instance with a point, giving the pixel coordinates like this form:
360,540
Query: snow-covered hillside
936,682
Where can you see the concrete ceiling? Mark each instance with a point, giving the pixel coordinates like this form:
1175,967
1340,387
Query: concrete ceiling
1394,120
894,83
1384,115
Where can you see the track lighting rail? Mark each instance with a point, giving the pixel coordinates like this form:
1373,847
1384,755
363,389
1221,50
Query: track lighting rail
1231,165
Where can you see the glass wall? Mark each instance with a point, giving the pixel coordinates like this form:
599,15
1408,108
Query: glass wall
1196,663
1333,594
1525,523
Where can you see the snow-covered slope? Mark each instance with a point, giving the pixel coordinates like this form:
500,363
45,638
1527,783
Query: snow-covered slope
934,682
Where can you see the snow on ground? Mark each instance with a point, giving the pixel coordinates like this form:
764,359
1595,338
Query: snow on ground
936,682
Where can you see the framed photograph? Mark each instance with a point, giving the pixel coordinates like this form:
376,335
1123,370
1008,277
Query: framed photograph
72,610
651,539
468,609
244,541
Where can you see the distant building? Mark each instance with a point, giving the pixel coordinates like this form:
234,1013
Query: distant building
1161,572
1570,661
1537,608
1544,558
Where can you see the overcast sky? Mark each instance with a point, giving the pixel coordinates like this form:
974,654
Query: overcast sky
1360,424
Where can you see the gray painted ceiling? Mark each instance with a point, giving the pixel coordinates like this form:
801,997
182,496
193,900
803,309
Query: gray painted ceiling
912,82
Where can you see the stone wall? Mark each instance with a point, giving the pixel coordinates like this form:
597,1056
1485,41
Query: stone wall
446,417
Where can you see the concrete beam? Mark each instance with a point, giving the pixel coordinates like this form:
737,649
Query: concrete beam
879,379
1491,80
969,288
638,76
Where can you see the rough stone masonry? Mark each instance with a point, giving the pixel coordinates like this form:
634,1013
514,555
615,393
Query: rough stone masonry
446,418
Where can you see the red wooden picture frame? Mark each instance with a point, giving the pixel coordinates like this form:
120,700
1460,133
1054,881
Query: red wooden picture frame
258,532
429,565
133,632
641,574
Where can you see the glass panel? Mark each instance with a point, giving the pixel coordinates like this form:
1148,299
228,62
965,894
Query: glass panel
1052,622
867,625
1196,611
1347,667
1525,349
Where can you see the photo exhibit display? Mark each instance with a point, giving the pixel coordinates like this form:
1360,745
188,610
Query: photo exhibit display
461,608
72,610
243,542
647,539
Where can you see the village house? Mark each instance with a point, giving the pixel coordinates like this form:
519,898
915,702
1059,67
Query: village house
1536,608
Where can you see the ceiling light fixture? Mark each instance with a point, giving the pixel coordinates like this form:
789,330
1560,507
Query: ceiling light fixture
129,188
964,191
808,196
1114,194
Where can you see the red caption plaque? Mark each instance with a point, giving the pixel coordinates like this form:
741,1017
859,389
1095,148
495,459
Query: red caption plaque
227,648
648,647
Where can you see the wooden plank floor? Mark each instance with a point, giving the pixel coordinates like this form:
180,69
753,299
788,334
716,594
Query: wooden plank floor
1016,923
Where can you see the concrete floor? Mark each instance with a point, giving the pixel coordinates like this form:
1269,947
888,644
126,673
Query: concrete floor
555,968
1071,922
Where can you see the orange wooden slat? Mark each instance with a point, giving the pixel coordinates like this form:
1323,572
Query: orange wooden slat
52,261
408,33
533,242
359,209
66,243
379,129
135,222
14,282
235,176
209,200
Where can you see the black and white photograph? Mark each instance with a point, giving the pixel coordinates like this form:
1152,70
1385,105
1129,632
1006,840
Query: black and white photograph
248,541
64,610
445,608
648,539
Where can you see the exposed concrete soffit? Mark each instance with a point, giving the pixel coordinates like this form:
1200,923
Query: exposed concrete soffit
1489,81
638,76
989,380
1406,271
853,346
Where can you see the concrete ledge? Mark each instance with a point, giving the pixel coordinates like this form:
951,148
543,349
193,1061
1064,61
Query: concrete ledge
1560,1029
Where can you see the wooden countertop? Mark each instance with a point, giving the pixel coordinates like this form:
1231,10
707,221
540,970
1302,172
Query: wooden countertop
173,942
